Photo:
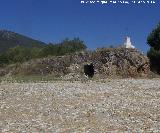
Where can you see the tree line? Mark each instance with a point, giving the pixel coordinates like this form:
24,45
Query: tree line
21,54
153,54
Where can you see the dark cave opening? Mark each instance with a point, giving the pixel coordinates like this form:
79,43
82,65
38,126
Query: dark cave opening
89,70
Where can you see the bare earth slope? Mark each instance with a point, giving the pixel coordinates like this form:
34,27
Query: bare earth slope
125,105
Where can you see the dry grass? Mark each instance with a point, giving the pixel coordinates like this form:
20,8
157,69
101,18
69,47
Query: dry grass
114,106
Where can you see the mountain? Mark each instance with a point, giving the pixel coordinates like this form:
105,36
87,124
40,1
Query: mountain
9,39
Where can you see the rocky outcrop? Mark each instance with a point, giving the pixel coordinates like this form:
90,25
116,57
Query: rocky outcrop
107,63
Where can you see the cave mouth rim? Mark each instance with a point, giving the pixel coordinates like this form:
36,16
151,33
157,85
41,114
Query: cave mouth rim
89,70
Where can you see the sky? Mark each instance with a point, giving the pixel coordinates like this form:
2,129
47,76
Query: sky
98,25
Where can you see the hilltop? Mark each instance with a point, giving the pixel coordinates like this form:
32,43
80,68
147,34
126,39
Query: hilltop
9,39
107,63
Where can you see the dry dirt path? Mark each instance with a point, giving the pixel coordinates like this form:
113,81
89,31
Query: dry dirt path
124,105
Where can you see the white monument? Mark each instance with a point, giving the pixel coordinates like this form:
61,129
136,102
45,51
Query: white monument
127,43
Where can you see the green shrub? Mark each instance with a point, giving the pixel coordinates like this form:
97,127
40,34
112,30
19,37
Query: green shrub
21,54
153,54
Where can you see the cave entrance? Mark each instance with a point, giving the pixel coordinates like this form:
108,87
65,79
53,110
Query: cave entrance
89,70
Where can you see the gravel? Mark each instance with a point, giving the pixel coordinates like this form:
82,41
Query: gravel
111,106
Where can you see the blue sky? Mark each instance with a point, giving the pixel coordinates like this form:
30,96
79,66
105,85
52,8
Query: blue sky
98,25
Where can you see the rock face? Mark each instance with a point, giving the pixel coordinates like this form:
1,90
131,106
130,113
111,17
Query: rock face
107,63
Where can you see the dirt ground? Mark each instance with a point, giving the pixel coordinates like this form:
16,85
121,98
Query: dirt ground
111,106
